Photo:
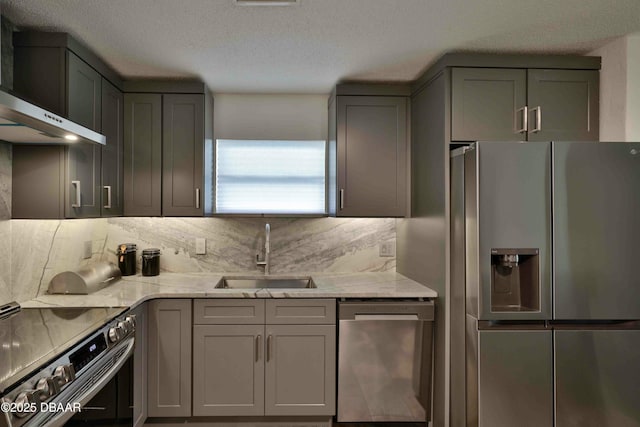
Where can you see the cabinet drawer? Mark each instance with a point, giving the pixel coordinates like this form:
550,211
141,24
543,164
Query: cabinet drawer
301,311
228,312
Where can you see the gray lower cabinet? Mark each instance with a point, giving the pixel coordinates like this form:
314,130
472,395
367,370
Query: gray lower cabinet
169,358
504,104
142,154
140,356
228,366
300,374
371,150
253,369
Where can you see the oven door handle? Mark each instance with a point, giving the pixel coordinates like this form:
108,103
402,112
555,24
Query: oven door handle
85,397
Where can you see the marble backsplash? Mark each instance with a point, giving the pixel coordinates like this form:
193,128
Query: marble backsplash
42,248
5,224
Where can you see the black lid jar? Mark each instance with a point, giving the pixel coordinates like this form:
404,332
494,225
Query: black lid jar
126,253
150,262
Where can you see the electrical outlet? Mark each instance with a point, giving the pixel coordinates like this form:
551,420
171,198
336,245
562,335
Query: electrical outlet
87,249
201,246
387,249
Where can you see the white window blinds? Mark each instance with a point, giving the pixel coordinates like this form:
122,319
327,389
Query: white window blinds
270,177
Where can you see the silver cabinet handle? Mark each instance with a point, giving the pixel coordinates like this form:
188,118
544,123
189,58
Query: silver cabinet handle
258,339
538,127
108,205
78,202
525,120
342,198
197,198
269,339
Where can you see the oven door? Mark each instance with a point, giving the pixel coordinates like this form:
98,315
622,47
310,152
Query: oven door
97,378
113,405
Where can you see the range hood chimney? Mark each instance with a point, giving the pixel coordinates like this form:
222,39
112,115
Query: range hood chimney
24,123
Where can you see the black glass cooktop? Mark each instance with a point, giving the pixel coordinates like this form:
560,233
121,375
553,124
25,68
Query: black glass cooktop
33,336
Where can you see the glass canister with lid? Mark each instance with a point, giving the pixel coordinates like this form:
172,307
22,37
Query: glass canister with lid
126,253
151,262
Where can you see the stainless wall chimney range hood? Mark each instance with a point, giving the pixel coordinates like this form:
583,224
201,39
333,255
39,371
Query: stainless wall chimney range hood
25,123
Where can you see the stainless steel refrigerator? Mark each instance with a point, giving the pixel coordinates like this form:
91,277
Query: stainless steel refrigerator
545,284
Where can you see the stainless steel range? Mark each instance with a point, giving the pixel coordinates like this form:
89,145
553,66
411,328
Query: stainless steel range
54,360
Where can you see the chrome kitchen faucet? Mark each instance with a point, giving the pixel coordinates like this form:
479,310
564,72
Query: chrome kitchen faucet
267,250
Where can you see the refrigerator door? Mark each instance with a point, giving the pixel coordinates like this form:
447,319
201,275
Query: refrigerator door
508,209
510,377
596,203
597,378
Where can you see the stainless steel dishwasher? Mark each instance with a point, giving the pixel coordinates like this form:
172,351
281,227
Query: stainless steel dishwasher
384,360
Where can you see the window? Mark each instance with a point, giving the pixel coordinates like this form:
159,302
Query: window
270,177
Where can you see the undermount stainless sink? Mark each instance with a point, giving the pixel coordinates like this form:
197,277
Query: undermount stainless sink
266,282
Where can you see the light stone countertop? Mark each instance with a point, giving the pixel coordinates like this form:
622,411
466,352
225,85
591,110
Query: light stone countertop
131,291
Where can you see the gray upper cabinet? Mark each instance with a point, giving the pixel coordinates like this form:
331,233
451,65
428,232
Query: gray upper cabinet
142,154
84,106
82,184
563,105
112,152
56,72
228,366
169,358
300,370
182,154
166,124
488,104
503,104
371,155
84,93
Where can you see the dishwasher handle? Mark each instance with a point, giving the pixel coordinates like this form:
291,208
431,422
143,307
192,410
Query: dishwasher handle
386,317
400,310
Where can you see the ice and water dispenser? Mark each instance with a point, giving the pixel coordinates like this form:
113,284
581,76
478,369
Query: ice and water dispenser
515,281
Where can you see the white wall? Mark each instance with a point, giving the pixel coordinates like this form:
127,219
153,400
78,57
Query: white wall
620,89
240,116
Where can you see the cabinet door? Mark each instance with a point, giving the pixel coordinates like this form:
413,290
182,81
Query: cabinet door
140,367
37,184
487,104
372,156
563,105
169,369
83,187
84,93
300,370
83,191
142,154
228,370
182,155
112,159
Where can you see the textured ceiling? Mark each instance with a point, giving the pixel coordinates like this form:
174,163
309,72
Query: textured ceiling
308,47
